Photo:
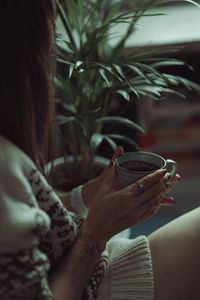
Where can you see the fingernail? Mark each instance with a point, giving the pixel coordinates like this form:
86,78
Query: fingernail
168,201
171,200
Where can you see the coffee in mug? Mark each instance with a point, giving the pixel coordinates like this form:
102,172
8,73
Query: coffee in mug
132,166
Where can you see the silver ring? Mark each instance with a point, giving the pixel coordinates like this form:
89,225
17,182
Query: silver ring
140,186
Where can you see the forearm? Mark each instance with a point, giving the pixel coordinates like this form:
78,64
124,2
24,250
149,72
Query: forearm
71,277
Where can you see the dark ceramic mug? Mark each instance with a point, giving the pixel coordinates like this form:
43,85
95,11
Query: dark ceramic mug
132,166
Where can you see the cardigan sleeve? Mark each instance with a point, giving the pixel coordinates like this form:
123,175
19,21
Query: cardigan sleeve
65,225
64,229
36,230
23,267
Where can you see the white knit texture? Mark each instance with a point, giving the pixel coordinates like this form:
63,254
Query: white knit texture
129,275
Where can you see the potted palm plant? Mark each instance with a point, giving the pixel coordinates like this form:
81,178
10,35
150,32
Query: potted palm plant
92,75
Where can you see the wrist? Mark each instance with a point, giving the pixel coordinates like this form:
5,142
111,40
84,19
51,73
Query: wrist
91,234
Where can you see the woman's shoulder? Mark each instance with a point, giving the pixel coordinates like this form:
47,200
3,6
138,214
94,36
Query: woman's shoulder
13,159
20,215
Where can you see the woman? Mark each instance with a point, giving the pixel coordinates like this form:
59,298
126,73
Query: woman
46,251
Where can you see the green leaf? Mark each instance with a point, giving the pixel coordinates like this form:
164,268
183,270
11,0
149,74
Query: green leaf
108,69
69,108
138,72
65,62
125,139
192,2
64,46
124,94
61,120
111,142
96,140
171,63
120,72
72,121
103,74
122,121
65,21
71,70
174,92
190,85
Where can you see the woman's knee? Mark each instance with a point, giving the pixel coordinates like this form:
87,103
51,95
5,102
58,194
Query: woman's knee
176,261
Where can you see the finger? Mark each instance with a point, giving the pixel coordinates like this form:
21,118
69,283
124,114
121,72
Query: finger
149,213
169,183
151,192
168,187
150,208
118,152
146,182
176,178
173,180
147,209
148,194
167,201
153,201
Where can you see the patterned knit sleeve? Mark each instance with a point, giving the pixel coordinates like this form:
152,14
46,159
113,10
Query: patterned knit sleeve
23,267
64,229
65,225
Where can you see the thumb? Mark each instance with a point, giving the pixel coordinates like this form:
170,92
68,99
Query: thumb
109,174
118,152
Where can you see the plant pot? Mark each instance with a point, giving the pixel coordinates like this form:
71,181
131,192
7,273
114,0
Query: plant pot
60,176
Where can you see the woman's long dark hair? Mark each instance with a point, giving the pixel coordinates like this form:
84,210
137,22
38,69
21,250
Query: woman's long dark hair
26,106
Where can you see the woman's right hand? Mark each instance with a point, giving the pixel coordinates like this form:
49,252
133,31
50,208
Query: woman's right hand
113,211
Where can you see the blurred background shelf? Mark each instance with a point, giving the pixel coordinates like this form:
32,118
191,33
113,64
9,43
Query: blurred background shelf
178,24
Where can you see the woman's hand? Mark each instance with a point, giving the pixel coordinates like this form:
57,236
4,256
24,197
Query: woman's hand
91,188
113,211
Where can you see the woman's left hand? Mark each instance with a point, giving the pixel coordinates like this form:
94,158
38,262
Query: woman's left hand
91,188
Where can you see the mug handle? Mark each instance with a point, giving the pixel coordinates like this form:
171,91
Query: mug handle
171,166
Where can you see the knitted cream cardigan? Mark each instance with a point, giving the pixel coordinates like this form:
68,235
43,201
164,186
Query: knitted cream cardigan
36,231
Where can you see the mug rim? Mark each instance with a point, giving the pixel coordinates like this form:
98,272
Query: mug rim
142,152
